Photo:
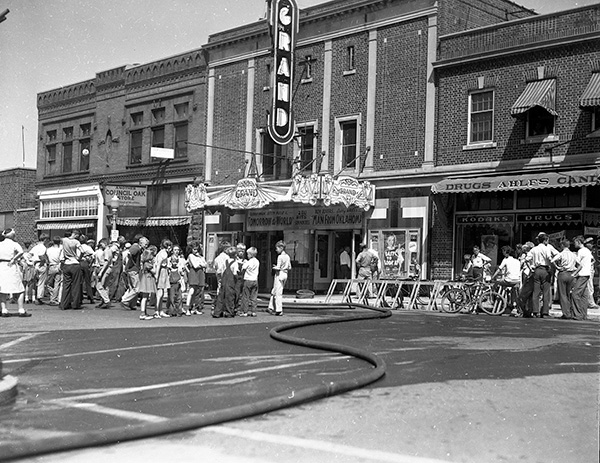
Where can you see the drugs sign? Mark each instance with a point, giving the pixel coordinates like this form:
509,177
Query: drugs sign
284,25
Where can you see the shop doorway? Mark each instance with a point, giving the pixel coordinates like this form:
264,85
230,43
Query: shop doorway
328,247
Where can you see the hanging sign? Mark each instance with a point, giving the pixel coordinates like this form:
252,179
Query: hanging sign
130,196
348,191
284,24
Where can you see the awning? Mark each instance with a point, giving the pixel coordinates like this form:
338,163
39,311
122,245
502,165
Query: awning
64,225
153,221
539,93
532,181
591,94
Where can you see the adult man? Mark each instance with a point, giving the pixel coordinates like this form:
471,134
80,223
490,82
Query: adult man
541,262
86,261
132,268
582,275
40,262
589,243
283,266
104,261
364,263
71,268
54,254
566,263
240,258
345,264
220,265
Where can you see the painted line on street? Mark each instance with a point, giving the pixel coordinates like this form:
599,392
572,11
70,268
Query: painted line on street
108,351
114,412
27,337
322,446
150,387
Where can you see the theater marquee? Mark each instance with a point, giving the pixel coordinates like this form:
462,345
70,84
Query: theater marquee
284,24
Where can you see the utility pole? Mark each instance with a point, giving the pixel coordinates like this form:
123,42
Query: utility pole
3,15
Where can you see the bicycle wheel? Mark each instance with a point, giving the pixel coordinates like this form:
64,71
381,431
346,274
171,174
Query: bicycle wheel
492,303
454,300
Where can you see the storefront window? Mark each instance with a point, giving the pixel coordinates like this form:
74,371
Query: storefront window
501,200
541,199
399,252
593,196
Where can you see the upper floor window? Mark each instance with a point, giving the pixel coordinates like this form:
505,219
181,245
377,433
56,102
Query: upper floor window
158,115
307,148
158,137
181,138
274,164
596,119
51,136
85,130
181,110
481,117
51,153
307,63
348,137
68,133
540,123
137,119
84,155
67,165
135,147
350,64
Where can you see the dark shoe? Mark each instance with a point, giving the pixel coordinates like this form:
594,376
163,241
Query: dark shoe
563,317
24,314
278,314
125,306
101,305
38,302
5,315
107,306
53,303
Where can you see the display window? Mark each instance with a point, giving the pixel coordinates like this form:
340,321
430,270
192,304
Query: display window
399,252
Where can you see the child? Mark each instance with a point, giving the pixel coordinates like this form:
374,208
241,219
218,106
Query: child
250,288
467,270
174,302
161,271
196,280
147,281
29,277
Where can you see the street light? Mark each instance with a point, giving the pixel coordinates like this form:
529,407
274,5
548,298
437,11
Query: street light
114,206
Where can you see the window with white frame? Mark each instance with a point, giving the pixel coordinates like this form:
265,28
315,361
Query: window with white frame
274,164
481,117
306,153
86,206
347,137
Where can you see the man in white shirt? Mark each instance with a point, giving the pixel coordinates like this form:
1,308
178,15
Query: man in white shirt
541,262
345,264
582,274
54,254
589,243
566,263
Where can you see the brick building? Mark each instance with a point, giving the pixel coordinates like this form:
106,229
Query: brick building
364,106
103,137
17,203
518,104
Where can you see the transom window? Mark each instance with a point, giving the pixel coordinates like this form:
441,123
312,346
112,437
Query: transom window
68,133
137,119
158,115
85,130
71,207
51,136
481,117
181,110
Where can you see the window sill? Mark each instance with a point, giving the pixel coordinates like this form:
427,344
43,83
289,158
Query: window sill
306,81
540,139
349,72
480,146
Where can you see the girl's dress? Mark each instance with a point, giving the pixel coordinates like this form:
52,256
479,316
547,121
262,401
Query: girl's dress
147,280
162,270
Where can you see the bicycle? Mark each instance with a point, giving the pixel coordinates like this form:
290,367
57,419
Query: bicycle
472,295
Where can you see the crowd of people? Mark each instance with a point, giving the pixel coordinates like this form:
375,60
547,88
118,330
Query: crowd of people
160,280
531,270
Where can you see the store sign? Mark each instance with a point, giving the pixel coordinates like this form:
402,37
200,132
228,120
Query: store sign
348,191
129,196
284,24
317,218
483,219
549,218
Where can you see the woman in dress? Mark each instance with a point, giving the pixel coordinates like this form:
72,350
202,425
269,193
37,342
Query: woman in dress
147,281
196,278
161,271
10,273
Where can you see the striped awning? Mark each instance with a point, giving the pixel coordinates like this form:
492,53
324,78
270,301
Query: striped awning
154,221
539,93
591,94
64,225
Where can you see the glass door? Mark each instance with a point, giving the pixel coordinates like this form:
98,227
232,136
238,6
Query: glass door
323,260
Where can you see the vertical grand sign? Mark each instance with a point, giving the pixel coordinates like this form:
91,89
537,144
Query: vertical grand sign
284,25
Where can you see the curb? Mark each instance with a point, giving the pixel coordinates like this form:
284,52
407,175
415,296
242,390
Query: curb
8,390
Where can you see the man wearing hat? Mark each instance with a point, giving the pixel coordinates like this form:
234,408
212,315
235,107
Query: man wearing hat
581,274
589,243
